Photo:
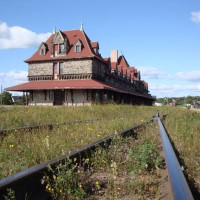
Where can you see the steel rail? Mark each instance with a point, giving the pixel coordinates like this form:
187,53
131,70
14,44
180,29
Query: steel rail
179,186
49,126
28,182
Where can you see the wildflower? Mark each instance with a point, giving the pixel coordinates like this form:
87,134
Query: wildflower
60,191
11,145
87,159
98,135
80,186
97,183
142,120
54,177
48,186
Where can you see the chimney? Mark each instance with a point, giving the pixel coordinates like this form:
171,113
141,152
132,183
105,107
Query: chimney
114,56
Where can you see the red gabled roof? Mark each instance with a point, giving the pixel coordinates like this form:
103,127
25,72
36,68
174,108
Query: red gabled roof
95,44
122,61
113,65
119,68
60,84
128,72
68,84
73,36
132,69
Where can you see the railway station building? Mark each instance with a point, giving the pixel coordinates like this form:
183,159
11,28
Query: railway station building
68,69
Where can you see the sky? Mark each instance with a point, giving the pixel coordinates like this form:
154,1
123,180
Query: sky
161,38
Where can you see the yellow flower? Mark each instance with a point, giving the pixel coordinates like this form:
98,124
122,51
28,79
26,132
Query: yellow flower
97,183
11,145
54,177
60,191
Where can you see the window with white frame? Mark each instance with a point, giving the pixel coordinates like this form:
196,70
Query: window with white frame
78,46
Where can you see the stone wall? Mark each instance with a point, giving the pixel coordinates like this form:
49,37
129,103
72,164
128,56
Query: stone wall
78,67
70,67
98,68
77,98
41,97
37,69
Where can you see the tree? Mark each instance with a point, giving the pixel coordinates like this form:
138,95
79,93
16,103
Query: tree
7,98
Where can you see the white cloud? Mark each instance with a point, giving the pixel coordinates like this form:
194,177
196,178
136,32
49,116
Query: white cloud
174,90
193,76
19,37
150,72
195,16
11,78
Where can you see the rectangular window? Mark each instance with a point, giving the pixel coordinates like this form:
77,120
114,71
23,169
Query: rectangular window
78,48
61,67
61,48
42,52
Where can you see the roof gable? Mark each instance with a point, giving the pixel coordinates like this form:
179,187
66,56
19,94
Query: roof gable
58,38
122,61
72,36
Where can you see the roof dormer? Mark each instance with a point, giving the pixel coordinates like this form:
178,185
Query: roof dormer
95,47
42,49
78,46
59,44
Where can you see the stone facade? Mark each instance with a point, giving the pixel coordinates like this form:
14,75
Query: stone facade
41,97
72,98
71,67
38,69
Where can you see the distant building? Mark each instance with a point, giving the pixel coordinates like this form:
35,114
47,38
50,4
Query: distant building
158,104
68,69
173,102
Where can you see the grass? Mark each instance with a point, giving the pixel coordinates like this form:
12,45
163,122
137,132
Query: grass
25,149
21,150
111,173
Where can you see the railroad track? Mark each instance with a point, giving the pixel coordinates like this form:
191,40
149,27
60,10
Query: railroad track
3,132
28,182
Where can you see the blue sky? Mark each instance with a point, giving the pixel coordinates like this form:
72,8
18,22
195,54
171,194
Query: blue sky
159,38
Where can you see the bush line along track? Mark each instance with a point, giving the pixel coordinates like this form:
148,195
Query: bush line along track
29,181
